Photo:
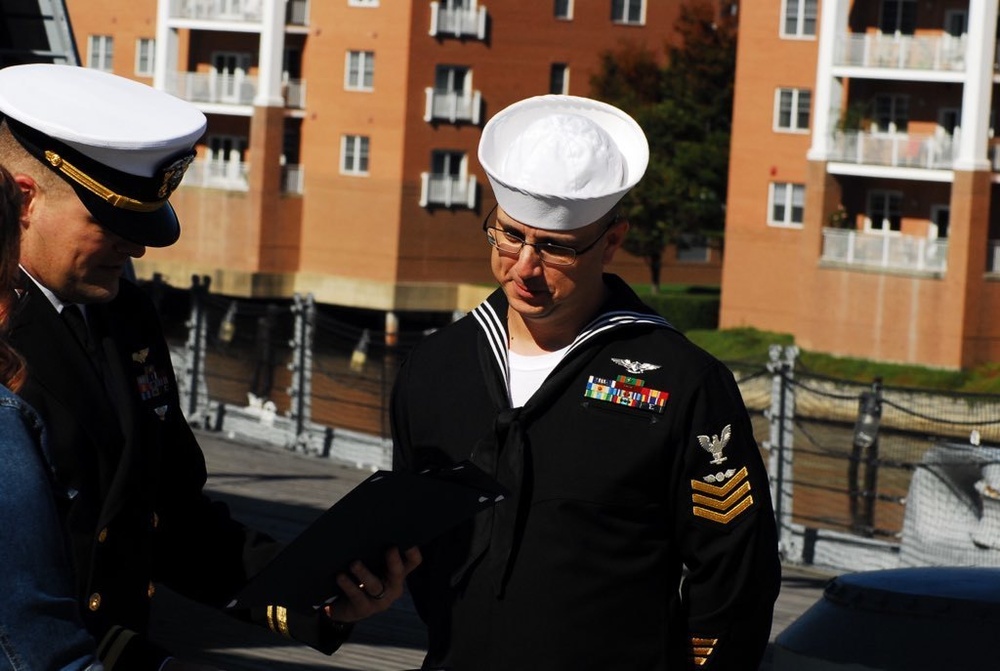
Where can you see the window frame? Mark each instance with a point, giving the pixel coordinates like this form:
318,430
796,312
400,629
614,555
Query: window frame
365,58
795,110
101,47
362,3
567,13
800,18
896,103
790,188
563,69
887,196
359,153
623,18
142,45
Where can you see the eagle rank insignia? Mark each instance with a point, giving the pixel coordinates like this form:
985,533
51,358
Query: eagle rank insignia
716,444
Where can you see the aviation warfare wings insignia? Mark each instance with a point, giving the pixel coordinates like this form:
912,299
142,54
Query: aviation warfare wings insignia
715,444
635,367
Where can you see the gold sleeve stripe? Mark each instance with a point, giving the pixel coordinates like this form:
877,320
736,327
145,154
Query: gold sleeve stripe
726,518
117,647
704,641
702,652
720,490
700,661
726,503
277,620
702,649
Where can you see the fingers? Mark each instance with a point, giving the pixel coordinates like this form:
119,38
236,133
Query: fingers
368,594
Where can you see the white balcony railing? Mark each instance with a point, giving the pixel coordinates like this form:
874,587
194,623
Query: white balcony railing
228,175
902,52
292,179
889,252
458,22
238,89
452,105
899,150
447,190
234,176
243,11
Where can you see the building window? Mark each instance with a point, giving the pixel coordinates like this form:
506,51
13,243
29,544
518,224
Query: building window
791,109
354,155
898,16
452,79
787,204
891,113
628,11
885,211
559,79
799,18
360,70
100,52
145,48
692,248
362,3
450,164
563,9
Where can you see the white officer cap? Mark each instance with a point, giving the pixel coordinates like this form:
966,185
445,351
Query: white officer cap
561,162
123,146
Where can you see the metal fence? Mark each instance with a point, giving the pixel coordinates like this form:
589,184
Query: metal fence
863,475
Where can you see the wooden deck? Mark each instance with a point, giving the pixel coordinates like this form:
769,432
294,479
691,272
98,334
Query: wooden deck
280,492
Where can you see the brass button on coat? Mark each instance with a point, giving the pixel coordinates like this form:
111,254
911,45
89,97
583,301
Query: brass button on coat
151,590
156,520
94,602
103,535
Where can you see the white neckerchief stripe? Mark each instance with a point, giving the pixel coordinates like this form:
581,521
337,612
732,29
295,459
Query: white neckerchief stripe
496,336
610,320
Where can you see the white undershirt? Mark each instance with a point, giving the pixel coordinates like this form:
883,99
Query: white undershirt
527,373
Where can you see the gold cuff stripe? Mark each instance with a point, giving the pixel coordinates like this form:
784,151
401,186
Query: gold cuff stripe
95,187
728,517
277,620
703,641
703,652
700,661
724,504
720,490
117,647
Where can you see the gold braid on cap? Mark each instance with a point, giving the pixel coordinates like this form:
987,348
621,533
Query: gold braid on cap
95,187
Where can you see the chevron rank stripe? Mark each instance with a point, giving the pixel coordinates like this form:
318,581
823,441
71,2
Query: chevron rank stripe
722,503
702,649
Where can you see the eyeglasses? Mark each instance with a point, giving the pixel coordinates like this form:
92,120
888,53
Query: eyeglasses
509,242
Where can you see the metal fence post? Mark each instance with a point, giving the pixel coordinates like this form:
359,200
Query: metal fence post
194,371
300,392
782,422
864,449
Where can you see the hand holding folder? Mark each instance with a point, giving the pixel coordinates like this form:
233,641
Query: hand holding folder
390,509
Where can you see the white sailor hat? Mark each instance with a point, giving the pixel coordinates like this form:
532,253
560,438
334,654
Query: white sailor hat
123,146
561,162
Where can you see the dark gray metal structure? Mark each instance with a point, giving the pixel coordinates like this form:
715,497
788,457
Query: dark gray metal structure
36,31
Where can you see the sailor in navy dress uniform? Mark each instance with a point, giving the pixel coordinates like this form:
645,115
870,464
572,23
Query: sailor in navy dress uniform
96,157
627,450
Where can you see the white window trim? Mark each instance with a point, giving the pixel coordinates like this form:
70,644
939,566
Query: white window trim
798,35
623,21
139,42
788,205
344,169
793,128
569,12
882,193
362,3
106,60
364,56
566,73
933,233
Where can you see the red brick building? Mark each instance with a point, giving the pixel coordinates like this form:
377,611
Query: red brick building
340,156
863,166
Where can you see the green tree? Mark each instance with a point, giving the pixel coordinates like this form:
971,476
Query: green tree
685,108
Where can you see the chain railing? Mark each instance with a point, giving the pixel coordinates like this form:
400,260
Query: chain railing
863,475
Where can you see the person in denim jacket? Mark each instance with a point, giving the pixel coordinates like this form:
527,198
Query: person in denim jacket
40,625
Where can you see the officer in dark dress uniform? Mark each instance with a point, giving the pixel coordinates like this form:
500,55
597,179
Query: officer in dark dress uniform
96,157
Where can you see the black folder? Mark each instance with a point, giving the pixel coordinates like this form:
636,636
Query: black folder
389,509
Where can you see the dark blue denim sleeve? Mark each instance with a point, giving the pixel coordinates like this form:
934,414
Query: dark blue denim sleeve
40,626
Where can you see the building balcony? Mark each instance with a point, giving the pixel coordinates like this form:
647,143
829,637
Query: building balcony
236,11
905,253
461,22
453,106
447,190
234,176
943,53
898,150
220,89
